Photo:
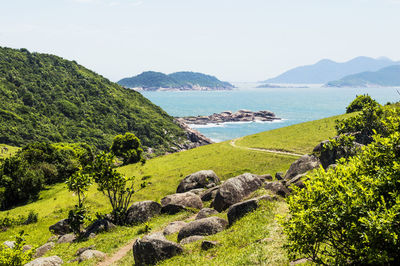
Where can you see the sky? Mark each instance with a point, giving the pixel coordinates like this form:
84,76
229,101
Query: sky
235,40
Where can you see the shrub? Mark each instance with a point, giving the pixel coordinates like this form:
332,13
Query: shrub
15,256
350,215
360,102
127,147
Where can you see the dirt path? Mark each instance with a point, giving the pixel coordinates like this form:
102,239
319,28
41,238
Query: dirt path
233,144
127,248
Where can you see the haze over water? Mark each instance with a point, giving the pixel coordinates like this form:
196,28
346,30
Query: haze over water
293,105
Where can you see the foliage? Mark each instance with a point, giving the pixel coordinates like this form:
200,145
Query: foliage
16,256
127,147
117,187
79,184
350,215
8,221
179,80
360,102
371,120
24,175
45,98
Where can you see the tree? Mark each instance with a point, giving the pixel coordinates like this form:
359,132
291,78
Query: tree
117,187
127,147
360,102
78,183
350,214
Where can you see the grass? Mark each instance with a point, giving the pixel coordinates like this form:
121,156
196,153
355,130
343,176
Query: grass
299,138
256,239
239,244
7,151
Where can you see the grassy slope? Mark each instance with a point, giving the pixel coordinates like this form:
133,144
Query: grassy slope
300,138
165,174
11,150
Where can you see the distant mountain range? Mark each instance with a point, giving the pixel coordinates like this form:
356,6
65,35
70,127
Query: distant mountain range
388,76
152,81
327,70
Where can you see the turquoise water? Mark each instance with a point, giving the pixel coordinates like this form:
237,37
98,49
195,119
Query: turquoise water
293,105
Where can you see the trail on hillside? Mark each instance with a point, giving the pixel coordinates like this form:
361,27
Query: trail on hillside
233,144
127,248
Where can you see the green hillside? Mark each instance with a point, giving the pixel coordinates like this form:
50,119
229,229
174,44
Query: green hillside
240,244
45,98
151,80
386,77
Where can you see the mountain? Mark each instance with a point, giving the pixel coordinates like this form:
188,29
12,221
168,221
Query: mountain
45,98
327,70
151,80
388,76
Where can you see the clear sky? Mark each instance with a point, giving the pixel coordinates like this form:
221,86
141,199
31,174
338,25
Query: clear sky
235,40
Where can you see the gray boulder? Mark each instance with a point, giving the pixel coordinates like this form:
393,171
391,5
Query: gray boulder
142,211
234,190
302,165
9,244
81,250
100,225
200,179
197,191
279,176
154,248
90,254
46,261
209,194
183,200
40,251
61,227
238,210
68,238
296,181
190,239
265,177
173,227
277,187
205,212
203,227
206,244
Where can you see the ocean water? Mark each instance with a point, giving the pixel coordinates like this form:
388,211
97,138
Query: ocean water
293,105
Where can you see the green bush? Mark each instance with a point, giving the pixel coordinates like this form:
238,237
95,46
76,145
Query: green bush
16,256
360,102
127,147
351,214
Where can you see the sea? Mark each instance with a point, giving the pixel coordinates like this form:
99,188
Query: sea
294,105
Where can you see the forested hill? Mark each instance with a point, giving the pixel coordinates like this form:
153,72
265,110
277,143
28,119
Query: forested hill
151,80
48,99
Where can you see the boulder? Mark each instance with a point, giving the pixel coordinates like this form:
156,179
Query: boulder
90,254
238,210
200,179
279,176
209,194
26,248
206,244
100,225
68,238
330,156
9,244
277,187
81,250
197,191
40,251
46,261
296,181
153,248
302,165
142,211
190,239
172,209
187,199
203,227
173,227
265,177
53,239
205,212
234,190
61,227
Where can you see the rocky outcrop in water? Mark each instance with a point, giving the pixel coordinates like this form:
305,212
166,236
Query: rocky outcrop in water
228,116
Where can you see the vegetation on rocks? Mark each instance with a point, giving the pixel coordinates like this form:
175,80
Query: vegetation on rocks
360,102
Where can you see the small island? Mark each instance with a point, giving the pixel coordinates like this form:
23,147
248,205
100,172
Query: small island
228,116
179,81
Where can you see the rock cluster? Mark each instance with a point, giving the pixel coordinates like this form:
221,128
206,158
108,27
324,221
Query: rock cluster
228,116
